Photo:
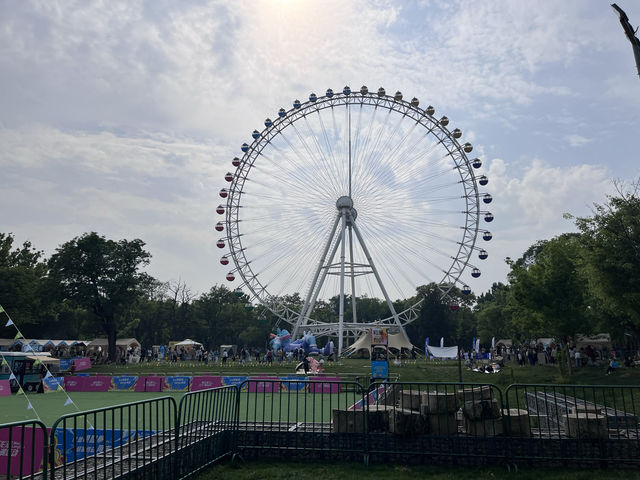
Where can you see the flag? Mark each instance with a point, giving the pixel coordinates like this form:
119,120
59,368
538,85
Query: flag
9,322
59,389
12,376
68,402
29,406
48,374
4,362
1,309
493,342
20,391
441,342
473,344
18,335
477,345
37,362
426,343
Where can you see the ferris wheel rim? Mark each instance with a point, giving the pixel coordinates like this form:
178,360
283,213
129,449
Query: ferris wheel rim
438,128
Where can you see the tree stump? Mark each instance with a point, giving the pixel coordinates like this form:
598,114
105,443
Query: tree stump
484,428
439,402
442,423
411,399
585,425
348,421
403,421
481,409
473,394
516,422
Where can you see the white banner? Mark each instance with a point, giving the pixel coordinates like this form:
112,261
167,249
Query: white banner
443,352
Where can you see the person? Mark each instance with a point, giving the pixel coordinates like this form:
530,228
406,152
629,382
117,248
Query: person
613,366
225,355
305,364
270,357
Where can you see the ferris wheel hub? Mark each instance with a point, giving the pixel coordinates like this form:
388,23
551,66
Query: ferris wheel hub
346,203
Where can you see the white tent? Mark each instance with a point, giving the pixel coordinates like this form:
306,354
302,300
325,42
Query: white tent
394,340
188,343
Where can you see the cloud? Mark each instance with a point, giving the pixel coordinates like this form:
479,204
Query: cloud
578,140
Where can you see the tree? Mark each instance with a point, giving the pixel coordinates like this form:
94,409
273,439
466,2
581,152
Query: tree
611,242
102,276
23,290
549,293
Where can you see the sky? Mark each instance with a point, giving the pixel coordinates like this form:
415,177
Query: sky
123,117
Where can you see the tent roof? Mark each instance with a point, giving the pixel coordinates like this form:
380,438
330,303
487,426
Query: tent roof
507,342
599,339
120,342
188,341
394,340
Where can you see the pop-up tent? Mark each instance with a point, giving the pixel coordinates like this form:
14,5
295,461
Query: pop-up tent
395,341
188,343
443,352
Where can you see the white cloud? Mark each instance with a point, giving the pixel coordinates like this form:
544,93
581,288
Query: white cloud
578,140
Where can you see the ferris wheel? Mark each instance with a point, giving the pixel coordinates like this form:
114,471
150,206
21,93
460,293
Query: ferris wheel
348,198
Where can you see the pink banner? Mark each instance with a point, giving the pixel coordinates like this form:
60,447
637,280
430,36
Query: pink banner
24,442
87,384
83,363
96,384
318,385
5,388
202,383
74,384
149,384
264,385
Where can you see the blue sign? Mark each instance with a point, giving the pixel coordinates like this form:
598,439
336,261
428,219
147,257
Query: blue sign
379,369
178,383
124,382
234,380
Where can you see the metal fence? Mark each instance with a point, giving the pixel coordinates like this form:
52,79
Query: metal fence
134,440
23,450
207,421
329,419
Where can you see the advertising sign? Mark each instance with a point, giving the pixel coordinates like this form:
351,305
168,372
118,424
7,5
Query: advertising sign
124,382
177,383
204,382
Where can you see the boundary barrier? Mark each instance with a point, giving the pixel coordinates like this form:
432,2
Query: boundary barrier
331,419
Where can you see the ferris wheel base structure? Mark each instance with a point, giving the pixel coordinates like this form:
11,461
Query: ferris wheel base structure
352,195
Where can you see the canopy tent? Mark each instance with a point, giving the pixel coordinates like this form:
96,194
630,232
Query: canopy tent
598,341
394,341
121,343
443,352
188,343
505,342
44,358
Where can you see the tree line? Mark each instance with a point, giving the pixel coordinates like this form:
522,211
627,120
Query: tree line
586,282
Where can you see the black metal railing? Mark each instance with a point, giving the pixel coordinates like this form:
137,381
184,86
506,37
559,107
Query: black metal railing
207,420
135,439
23,450
330,419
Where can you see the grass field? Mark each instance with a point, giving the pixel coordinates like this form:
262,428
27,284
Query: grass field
51,406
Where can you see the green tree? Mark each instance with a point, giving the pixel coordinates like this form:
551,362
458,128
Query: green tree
611,243
549,293
23,285
102,276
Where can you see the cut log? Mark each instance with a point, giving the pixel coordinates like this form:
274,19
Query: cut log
516,422
442,424
481,409
585,425
353,421
472,394
439,402
403,421
484,428
411,399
